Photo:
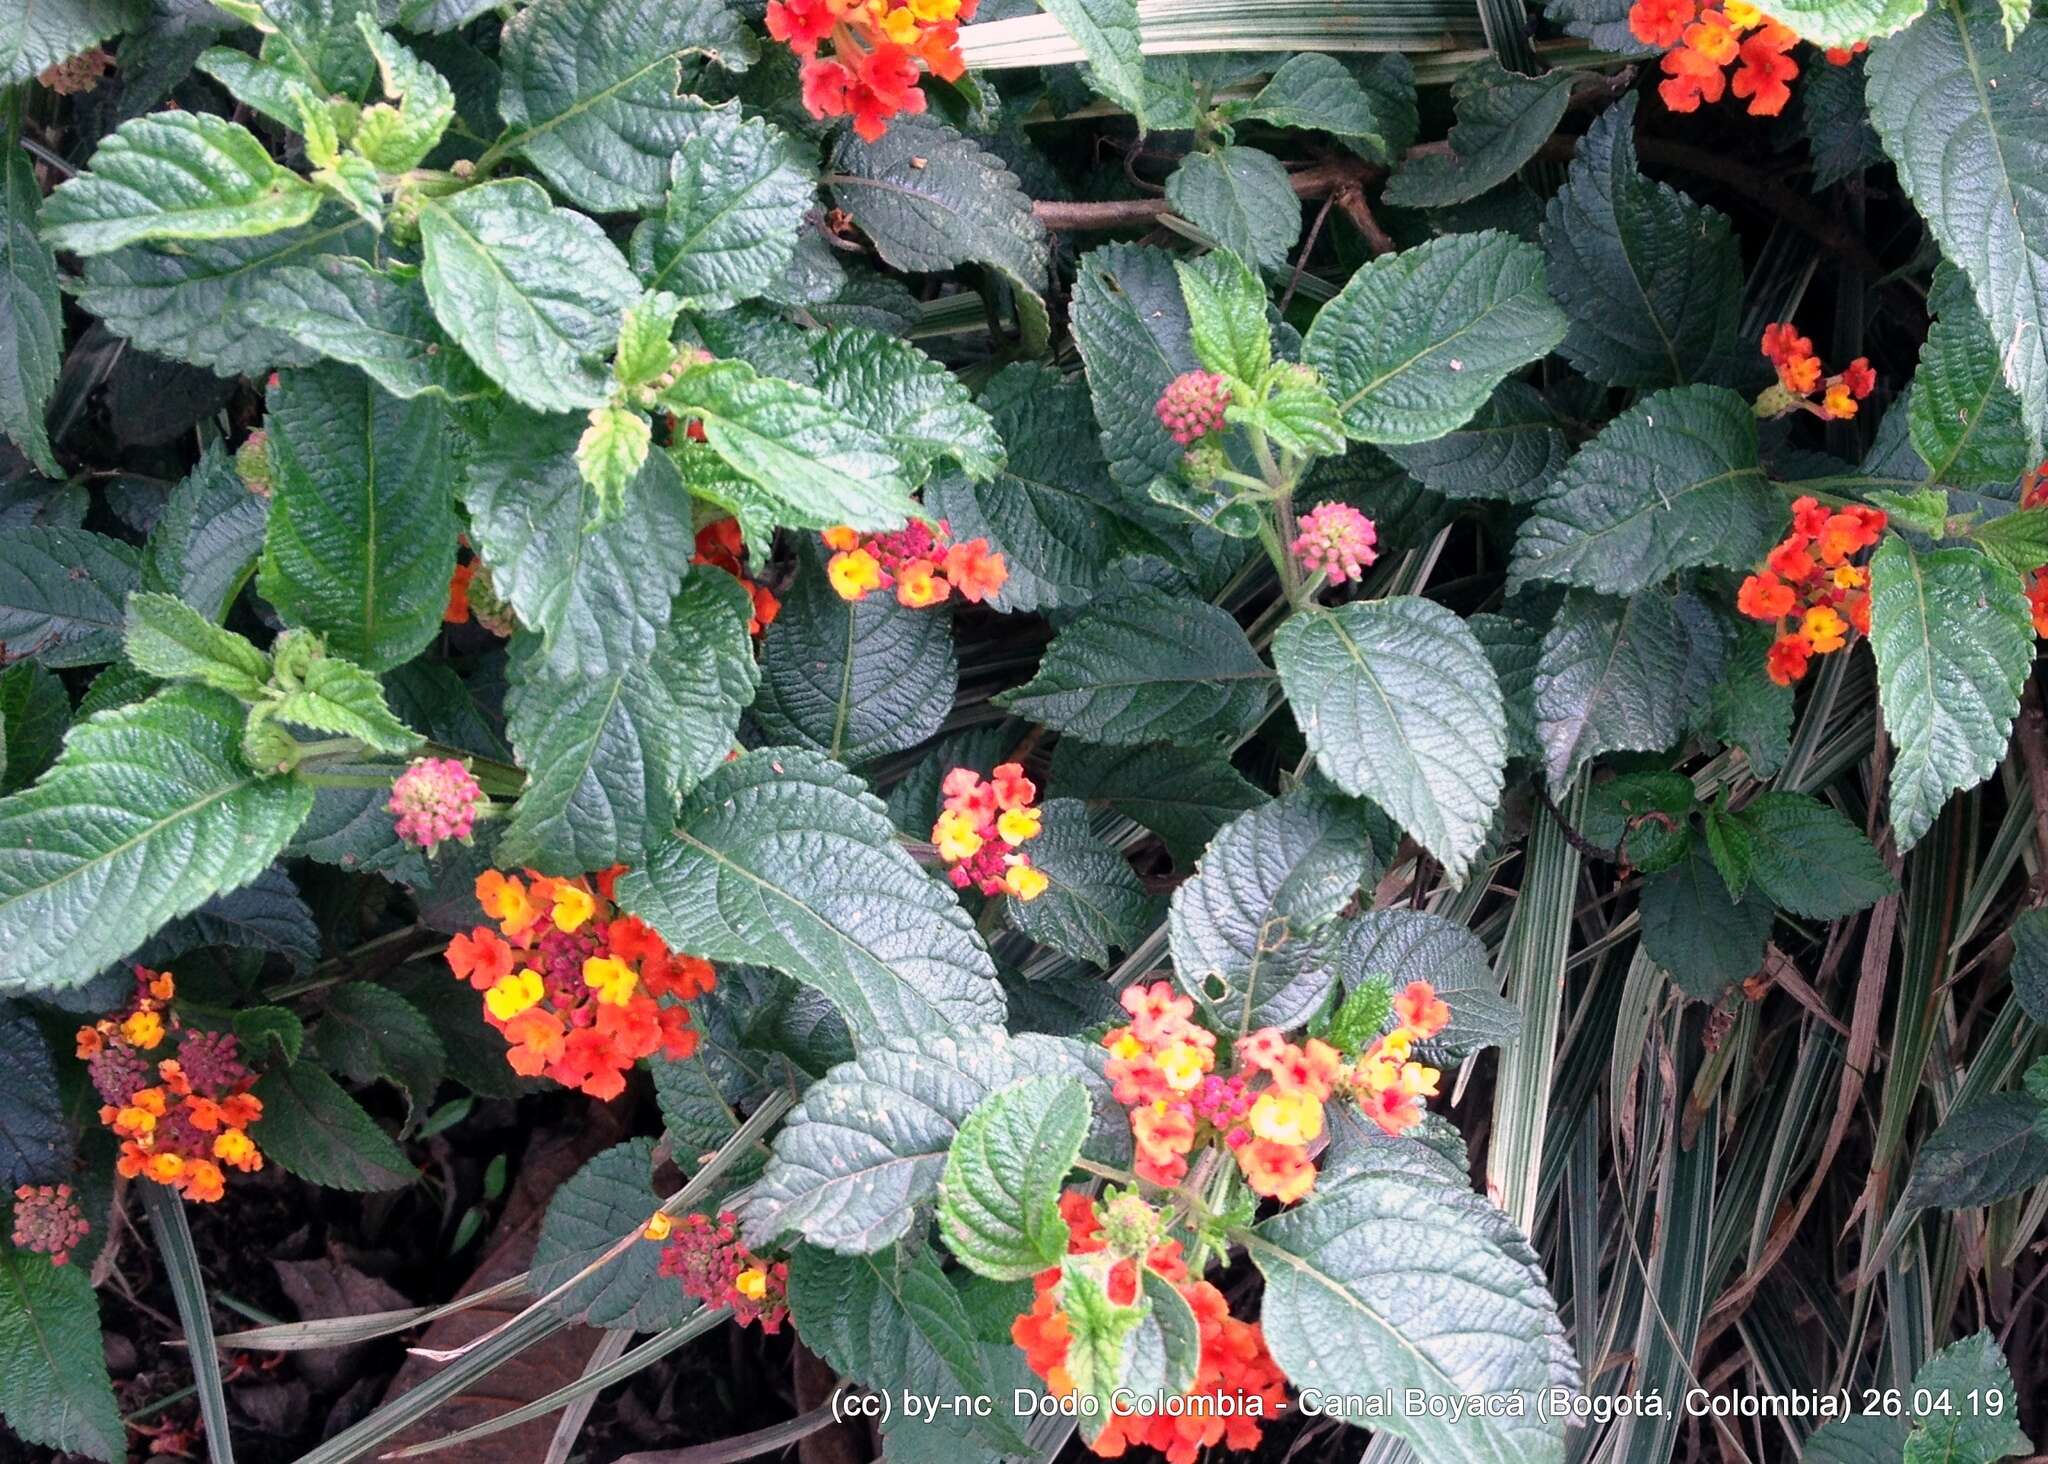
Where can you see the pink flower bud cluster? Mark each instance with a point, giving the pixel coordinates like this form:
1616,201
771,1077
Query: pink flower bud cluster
435,800
1192,405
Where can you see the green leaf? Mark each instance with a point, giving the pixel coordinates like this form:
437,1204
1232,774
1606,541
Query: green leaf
868,1143
1810,859
734,210
924,411
1970,1412
1956,111
646,339
1400,705
1144,667
1963,418
191,304
344,307
1314,93
1050,512
1093,901
1363,1017
396,139
62,593
1670,484
1645,817
1226,306
312,1129
54,1388
1240,198
1130,321
1417,341
206,541
1862,1438
532,292
854,680
31,313
1107,33
999,1197
1401,946
36,1146
271,1033
611,452
1697,931
1503,117
1102,1333
598,593
1643,272
1609,679
148,811
782,858
1844,22
362,520
34,712
1953,641
816,464
2030,963
176,175
2017,540
169,639
1251,931
37,35
266,915
1985,1150
1394,1279
341,697
603,1203
1512,450
590,91
1183,794
610,754
1728,845
1924,510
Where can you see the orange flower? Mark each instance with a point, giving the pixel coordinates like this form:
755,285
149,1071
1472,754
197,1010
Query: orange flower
918,585
1791,561
1766,69
1659,22
506,901
1280,1172
1418,1006
481,958
1823,629
1765,597
1713,37
1786,660
1691,79
2037,600
457,612
975,572
537,1039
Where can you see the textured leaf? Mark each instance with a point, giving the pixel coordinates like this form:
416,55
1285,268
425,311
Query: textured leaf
2030,963
1953,642
590,91
176,175
148,811
34,712
1843,22
1226,305
362,520
1399,704
1093,901
1107,33
734,210
1414,345
1966,1411
532,292
366,1032
781,858
206,541
36,34
999,1196
343,307
1984,1151
190,304
868,1143
54,1388
603,1203
1643,272
62,594
1608,680
610,754
598,593
1251,931
1051,510
1697,931
342,698
1395,1280
35,1145
1864,1438
1148,666
1239,197
314,1130
1315,93
854,680
267,914
1963,418
1957,113
169,639
924,410
1512,450
31,314
1400,946
1182,794
1131,324
1810,859
1671,483
1503,117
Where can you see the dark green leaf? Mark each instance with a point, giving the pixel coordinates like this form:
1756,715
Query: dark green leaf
31,314
1985,1150
312,1129
62,594
1810,859
1694,930
1240,198
1182,794
1503,117
606,1201
343,307
1093,901
54,1388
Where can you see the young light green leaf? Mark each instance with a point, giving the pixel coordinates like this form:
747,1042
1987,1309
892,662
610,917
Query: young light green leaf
1400,704
396,139
169,639
1240,198
1414,345
2017,540
1093,902
1362,1017
1964,420
31,314
1226,305
341,697
924,411
176,175
1100,1334
149,810
1844,22
344,307
312,1129
1644,273
1145,667
362,520
999,1196
531,291
1953,642
62,594
611,452
54,1388
1503,117
646,339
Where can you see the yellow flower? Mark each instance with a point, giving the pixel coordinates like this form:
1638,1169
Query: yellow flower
134,1122
900,26
1286,1118
1419,1080
164,1168
513,993
659,1226
751,1283
955,836
143,1029
1850,577
1396,1044
1024,882
853,573
1823,629
1017,824
1742,15
573,906
931,12
1183,1065
1126,1047
613,979
233,1146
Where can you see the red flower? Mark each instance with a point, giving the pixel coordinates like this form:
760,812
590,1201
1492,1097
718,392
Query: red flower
1659,22
1766,69
1692,79
1787,658
1765,597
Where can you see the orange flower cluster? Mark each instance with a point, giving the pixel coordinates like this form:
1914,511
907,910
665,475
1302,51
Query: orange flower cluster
1799,376
579,991
720,545
1269,1113
179,1119
919,560
1810,588
982,828
1237,1383
871,74
1705,38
